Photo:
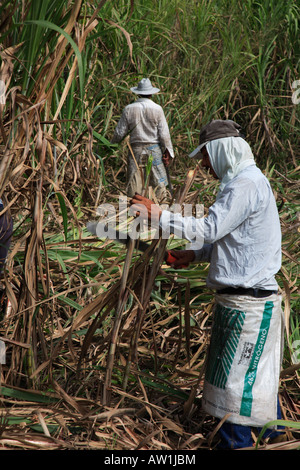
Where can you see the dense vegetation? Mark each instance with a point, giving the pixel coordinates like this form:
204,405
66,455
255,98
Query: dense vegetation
67,69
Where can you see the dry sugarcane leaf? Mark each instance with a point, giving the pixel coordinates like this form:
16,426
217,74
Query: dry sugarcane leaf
113,413
287,306
187,324
81,43
15,343
7,65
31,442
50,77
75,404
168,423
127,36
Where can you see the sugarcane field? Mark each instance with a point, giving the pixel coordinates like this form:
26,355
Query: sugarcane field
149,224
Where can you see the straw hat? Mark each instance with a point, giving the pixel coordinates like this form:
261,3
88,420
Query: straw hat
144,88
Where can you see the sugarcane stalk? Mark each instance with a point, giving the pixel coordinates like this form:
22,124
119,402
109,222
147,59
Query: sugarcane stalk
124,293
123,296
160,252
134,337
148,172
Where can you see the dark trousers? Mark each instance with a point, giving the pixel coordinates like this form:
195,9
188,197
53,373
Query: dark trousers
236,436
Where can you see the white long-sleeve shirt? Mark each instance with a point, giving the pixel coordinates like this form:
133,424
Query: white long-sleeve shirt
146,124
241,234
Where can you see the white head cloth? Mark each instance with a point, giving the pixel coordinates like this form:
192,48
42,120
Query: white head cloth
228,157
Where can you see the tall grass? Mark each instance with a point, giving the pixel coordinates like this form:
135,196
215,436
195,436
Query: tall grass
68,69
212,62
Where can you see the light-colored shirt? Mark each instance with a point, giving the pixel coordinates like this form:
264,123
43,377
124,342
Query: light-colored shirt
146,124
241,235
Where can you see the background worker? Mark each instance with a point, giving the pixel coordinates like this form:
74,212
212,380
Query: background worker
144,121
242,241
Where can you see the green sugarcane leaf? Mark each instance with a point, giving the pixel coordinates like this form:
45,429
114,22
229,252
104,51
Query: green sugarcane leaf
70,302
149,165
48,24
103,140
64,214
27,395
276,422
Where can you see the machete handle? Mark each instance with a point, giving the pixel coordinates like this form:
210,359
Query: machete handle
170,259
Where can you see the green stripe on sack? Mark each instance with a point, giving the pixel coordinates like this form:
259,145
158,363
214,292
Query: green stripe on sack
228,324
250,377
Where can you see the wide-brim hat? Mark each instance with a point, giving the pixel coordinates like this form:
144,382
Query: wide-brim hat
216,129
144,88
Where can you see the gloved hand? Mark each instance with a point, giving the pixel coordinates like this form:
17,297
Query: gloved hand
145,208
180,258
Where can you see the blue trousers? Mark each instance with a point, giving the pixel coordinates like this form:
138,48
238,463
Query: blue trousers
236,436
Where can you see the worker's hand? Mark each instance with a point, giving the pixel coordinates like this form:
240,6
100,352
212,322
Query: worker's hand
166,158
180,258
145,208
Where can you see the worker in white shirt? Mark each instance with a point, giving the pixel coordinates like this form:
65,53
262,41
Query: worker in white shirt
241,239
145,123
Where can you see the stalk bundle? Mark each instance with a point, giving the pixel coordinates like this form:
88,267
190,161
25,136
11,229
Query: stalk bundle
105,348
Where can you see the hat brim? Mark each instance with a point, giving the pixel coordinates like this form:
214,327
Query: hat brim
151,91
197,150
